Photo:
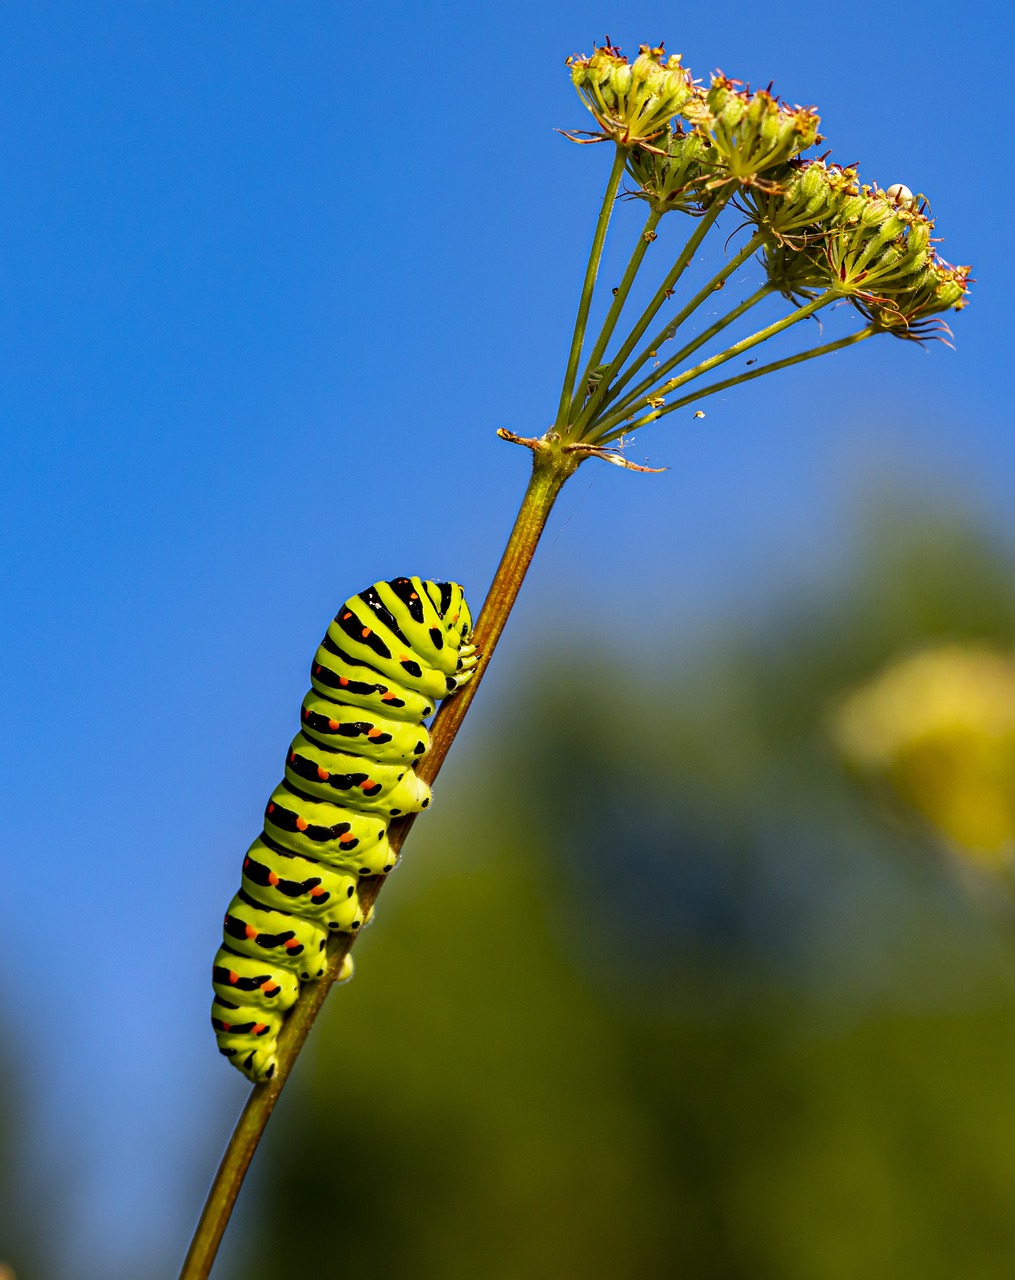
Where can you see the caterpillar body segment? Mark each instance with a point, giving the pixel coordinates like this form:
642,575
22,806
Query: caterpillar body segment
252,983
287,882
342,778
357,842
247,1038
337,675
371,735
286,941
391,653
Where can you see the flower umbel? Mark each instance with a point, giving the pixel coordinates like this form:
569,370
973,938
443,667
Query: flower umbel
821,237
754,133
914,313
877,247
800,199
633,103
675,172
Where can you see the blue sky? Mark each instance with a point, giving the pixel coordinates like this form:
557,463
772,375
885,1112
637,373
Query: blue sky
272,276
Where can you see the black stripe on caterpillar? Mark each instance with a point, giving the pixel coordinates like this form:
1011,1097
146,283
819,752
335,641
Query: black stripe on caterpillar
390,654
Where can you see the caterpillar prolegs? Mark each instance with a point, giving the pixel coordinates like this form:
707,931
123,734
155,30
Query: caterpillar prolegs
389,655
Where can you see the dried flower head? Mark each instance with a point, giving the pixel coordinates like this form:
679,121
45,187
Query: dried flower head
879,252
632,104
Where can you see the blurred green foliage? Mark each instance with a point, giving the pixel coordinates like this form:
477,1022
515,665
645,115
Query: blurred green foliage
661,992
26,1198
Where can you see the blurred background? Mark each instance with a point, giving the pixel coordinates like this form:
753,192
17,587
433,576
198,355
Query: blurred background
272,277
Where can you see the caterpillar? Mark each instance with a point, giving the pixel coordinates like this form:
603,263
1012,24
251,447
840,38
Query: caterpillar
389,655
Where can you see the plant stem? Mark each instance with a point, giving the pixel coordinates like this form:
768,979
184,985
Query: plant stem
648,234
550,469
588,285
824,350
706,366
660,296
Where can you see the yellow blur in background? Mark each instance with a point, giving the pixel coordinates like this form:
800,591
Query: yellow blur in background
939,727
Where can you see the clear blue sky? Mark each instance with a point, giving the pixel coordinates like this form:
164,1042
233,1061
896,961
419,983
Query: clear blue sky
272,275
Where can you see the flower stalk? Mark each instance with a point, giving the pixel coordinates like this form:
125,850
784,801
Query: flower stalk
550,468
648,234
820,237
825,349
662,294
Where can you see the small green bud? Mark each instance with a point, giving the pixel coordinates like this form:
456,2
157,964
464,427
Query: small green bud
875,208
851,208
919,235
620,79
952,286
891,228
812,183
632,104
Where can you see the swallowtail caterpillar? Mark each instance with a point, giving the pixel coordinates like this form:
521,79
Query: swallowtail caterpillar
389,655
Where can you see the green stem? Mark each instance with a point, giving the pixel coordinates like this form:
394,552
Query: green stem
646,384
551,468
589,284
801,313
648,234
648,315
667,332
824,350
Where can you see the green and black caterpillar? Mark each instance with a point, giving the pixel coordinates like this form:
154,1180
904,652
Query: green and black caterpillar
389,655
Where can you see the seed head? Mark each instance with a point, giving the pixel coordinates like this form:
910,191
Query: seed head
877,248
675,172
798,200
632,104
755,133
915,313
